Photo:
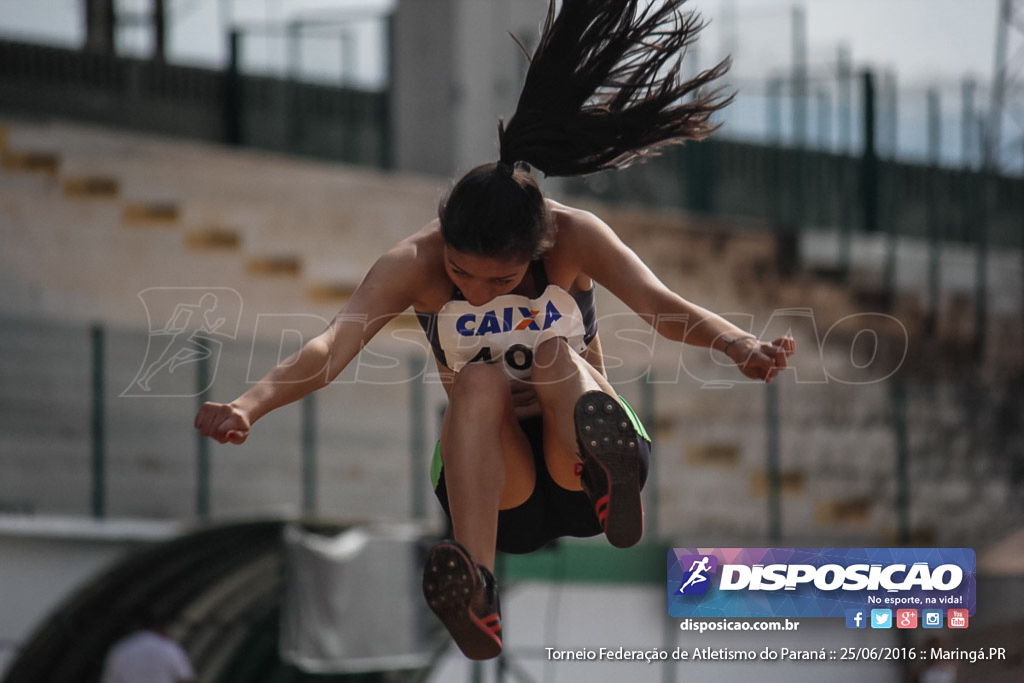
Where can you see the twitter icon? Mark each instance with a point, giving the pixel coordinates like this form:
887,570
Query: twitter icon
881,618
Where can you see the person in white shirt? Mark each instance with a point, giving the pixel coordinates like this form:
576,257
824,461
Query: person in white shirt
148,655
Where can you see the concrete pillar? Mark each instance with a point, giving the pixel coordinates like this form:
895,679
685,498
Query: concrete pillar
100,22
456,72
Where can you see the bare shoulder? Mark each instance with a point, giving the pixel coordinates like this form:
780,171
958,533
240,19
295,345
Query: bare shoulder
573,224
417,250
586,248
580,233
417,263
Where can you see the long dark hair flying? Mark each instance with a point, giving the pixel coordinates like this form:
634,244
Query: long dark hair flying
602,91
603,88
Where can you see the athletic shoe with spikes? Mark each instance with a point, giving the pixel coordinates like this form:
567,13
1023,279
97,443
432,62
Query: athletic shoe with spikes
464,597
610,471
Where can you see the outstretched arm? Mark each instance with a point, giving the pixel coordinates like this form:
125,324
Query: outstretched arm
383,294
615,266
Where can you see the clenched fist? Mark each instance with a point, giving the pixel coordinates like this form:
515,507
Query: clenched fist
223,422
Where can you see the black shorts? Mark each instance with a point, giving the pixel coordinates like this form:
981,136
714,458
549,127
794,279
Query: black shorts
551,511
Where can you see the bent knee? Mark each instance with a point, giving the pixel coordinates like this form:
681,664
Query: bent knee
481,383
554,360
550,350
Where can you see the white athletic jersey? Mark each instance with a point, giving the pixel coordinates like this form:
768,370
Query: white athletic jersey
507,328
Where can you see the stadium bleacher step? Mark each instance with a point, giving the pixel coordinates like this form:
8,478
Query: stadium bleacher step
213,238
280,265
847,511
151,214
30,161
716,454
338,292
92,187
792,483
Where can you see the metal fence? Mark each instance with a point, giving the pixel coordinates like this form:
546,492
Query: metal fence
266,112
98,421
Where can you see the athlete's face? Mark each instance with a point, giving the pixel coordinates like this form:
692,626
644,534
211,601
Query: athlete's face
482,278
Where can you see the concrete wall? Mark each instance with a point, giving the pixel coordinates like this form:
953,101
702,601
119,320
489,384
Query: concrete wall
288,241
121,226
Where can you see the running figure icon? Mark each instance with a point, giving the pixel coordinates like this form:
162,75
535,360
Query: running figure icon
697,571
189,333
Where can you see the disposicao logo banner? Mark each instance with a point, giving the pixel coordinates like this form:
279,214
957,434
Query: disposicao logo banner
817,582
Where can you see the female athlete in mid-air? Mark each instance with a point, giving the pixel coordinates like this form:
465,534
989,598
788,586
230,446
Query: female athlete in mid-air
535,443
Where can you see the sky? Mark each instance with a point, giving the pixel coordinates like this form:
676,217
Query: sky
922,40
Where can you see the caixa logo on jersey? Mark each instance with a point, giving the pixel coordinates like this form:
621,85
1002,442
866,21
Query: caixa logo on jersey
507,319
817,582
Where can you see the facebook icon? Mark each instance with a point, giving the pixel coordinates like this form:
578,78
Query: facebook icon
856,618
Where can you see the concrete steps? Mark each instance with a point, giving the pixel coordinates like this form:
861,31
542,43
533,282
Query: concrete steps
282,230
93,222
